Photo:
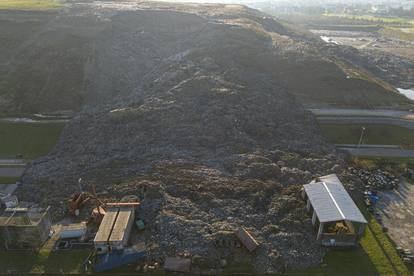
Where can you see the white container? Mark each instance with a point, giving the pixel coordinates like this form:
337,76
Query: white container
74,231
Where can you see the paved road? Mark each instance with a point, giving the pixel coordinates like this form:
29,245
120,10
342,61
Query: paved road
379,152
367,120
11,172
338,112
18,162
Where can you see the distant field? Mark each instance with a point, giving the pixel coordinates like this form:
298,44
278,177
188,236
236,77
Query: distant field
393,32
374,134
30,140
29,4
370,19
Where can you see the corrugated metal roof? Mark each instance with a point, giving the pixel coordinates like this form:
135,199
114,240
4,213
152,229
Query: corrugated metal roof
331,201
106,226
121,226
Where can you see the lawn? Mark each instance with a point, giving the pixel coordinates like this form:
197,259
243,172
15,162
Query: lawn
21,262
374,134
30,140
29,4
8,180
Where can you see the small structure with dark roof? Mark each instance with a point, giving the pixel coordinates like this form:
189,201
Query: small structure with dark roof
339,220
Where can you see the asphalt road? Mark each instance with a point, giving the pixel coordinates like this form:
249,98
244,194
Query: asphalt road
338,112
11,172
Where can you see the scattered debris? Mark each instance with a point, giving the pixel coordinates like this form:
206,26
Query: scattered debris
247,239
177,264
377,179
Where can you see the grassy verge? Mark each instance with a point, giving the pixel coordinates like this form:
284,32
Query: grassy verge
381,251
30,140
374,19
374,134
29,4
58,263
399,164
393,32
8,180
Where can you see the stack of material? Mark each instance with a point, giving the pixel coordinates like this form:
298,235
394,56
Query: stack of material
339,228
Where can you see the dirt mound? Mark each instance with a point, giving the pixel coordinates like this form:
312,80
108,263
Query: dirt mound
185,111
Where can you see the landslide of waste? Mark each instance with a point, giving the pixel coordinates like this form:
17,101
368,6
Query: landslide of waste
61,60
185,107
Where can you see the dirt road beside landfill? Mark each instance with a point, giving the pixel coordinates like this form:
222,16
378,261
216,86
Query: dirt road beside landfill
397,212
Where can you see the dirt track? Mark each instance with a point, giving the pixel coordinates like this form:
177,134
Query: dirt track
397,213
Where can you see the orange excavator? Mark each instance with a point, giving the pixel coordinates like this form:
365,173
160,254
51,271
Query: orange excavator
79,199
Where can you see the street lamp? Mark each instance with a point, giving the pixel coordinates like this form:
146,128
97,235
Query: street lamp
361,137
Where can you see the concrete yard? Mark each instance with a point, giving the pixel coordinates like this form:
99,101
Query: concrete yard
397,212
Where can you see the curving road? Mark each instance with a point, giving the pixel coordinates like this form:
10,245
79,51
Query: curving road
365,116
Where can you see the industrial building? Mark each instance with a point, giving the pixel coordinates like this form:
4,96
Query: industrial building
338,219
115,228
25,228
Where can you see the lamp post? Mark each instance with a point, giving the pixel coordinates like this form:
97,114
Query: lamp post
361,137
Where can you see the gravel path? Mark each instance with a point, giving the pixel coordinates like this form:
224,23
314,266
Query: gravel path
397,213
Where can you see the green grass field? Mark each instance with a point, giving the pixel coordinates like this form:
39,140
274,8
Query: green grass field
69,262
30,140
375,19
393,32
374,134
29,4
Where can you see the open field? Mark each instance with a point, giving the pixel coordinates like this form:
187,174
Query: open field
374,134
8,180
30,140
375,19
54,263
29,4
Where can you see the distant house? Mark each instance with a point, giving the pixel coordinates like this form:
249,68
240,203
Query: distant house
334,213
25,228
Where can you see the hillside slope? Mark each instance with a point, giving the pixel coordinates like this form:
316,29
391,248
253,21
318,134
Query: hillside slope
56,60
189,108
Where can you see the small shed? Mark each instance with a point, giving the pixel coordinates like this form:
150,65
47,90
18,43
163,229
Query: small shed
338,219
25,228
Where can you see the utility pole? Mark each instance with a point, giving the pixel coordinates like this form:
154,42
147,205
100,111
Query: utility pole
80,185
361,137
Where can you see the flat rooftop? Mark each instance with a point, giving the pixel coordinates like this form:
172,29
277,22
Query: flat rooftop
106,226
121,224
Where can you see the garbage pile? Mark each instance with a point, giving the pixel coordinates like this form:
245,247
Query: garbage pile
377,179
406,255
